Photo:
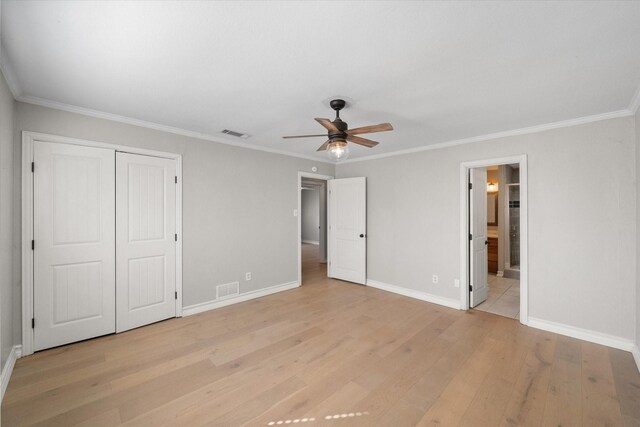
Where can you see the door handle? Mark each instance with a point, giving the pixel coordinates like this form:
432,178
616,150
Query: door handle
486,242
362,235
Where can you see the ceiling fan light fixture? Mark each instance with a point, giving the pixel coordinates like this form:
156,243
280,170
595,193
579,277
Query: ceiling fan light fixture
338,133
338,151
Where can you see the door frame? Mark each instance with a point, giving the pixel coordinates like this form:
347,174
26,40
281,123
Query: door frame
299,211
28,139
521,160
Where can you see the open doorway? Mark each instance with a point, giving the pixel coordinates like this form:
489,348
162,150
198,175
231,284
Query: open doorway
494,215
502,241
312,227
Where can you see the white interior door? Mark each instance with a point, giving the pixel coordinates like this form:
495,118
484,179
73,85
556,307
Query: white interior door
74,243
146,240
347,229
479,242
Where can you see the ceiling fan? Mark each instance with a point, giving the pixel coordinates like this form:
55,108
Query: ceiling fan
339,133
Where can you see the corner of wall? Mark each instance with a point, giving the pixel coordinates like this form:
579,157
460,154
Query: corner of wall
7,369
7,254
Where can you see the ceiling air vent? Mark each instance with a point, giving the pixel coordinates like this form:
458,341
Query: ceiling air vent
234,133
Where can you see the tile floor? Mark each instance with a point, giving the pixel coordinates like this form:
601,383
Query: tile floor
504,297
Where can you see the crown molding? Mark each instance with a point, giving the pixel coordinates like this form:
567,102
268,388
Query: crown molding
8,74
504,134
156,126
635,102
633,107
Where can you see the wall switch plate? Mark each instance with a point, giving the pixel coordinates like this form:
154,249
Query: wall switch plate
456,283
434,279
247,276
295,212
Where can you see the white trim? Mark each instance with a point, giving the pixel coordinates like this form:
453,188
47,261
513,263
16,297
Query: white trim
412,293
247,296
635,351
504,134
27,236
37,136
163,128
299,192
208,137
180,237
7,369
464,229
28,139
8,73
582,334
311,242
635,102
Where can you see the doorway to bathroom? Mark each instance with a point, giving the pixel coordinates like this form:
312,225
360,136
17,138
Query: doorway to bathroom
494,219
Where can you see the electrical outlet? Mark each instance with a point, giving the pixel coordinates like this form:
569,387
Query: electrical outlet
456,283
434,279
247,276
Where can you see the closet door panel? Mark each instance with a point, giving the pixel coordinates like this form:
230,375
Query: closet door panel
146,247
74,243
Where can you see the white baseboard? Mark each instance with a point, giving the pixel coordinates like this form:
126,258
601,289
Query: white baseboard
212,305
311,242
412,293
583,334
636,355
7,369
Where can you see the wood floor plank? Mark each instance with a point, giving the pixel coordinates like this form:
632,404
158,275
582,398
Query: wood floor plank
418,356
599,404
336,353
458,394
564,396
526,406
627,381
343,401
491,400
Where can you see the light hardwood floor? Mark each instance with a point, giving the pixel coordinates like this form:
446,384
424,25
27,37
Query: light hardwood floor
358,355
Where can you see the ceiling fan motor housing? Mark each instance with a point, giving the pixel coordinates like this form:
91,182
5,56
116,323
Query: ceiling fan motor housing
341,133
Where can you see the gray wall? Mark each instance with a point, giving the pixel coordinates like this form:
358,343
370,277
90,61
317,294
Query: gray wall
237,203
582,221
310,221
6,228
582,224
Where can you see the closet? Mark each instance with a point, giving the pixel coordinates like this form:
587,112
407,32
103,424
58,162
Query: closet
104,241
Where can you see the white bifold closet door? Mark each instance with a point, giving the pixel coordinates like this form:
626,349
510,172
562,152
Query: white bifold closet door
146,240
74,243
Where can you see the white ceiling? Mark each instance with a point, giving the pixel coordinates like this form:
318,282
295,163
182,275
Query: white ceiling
438,72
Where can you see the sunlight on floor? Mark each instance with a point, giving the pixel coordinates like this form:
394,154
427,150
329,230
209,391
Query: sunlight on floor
311,419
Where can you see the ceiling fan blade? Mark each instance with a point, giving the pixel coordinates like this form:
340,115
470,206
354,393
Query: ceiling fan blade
327,124
362,141
303,136
324,146
382,127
